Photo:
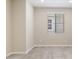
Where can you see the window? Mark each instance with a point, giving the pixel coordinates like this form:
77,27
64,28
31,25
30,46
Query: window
51,23
56,23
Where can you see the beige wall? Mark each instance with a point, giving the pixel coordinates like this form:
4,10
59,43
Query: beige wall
8,26
19,25
22,15
23,30
43,37
29,25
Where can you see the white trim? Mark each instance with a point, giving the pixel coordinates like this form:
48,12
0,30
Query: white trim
52,45
29,50
18,53
34,47
8,54
11,53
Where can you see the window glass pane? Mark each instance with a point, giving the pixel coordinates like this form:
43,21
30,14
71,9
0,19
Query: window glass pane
59,28
59,18
51,23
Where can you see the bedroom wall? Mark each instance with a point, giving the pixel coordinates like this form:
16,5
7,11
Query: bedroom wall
8,27
43,37
29,25
22,15
19,25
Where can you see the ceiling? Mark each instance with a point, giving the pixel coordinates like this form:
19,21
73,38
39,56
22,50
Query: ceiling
51,3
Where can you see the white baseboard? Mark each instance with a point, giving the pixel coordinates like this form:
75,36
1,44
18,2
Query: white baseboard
29,50
52,45
18,53
8,54
36,46
12,53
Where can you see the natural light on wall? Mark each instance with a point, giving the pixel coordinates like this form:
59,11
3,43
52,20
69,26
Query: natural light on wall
70,1
42,0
